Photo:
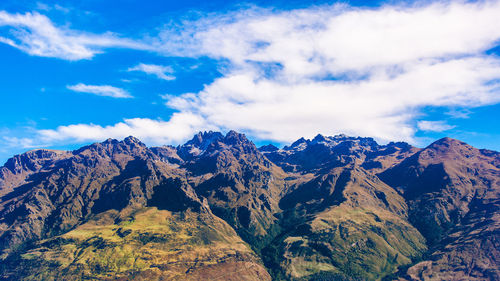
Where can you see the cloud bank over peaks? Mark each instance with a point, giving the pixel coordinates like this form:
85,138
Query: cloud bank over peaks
334,69
154,132
343,69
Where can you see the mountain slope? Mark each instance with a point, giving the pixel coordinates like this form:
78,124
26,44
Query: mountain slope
217,207
349,224
143,244
453,192
241,185
109,177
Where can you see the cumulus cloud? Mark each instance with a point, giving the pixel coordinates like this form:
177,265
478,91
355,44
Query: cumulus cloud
339,38
434,126
37,35
382,107
103,90
154,132
160,71
337,69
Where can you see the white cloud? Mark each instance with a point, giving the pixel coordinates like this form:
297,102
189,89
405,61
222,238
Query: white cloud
382,107
37,35
47,8
18,140
463,113
434,126
25,143
103,90
334,69
333,39
154,132
160,71
387,64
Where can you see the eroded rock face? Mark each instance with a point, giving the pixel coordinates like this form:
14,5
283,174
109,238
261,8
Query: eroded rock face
337,207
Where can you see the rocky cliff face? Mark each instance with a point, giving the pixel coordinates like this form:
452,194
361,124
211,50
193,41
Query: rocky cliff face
331,208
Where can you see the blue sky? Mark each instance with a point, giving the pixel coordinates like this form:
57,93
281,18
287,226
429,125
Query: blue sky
83,71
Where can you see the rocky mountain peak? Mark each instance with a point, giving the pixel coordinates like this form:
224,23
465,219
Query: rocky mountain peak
400,144
235,138
31,160
447,150
268,148
234,142
130,146
203,139
298,144
110,141
18,168
221,153
198,144
341,136
320,138
447,142
131,140
335,151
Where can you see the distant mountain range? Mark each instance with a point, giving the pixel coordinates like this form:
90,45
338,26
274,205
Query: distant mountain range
219,208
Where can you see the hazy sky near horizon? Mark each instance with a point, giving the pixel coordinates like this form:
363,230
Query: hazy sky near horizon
85,71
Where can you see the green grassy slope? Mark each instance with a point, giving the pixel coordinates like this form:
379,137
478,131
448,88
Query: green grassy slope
144,244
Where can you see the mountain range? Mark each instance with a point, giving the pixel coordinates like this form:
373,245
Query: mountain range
219,208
